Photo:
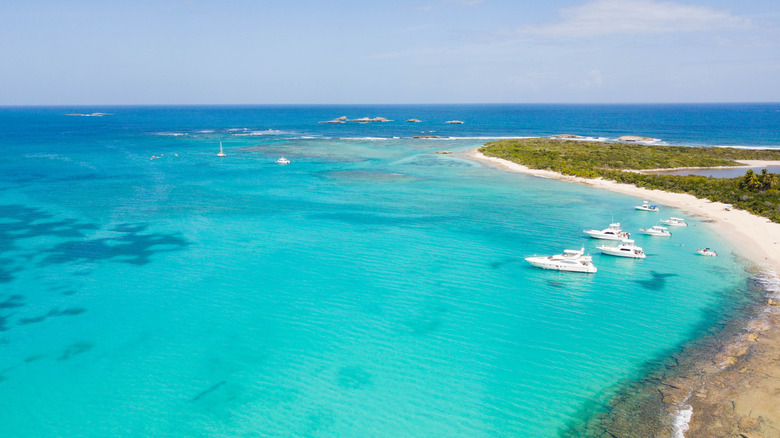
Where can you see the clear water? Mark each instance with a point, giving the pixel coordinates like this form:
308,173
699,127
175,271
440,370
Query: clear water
370,288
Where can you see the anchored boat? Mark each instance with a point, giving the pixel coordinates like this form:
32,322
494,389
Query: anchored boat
572,260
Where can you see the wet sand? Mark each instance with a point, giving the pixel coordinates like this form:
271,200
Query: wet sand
735,390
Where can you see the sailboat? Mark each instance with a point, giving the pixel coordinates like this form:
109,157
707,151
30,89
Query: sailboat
221,153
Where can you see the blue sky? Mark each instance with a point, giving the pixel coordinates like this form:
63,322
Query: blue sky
436,51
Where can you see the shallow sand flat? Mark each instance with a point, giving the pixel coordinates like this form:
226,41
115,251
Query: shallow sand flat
738,392
746,164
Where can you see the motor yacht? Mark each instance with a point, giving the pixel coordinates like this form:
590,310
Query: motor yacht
707,252
675,222
656,230
646,206
614,232
571,260
624,249
283,161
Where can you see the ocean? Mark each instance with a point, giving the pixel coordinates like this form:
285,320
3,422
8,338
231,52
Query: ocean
371,287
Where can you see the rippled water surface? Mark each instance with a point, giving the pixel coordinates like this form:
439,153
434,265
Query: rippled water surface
370,288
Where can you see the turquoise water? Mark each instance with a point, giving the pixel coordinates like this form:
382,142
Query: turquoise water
370,288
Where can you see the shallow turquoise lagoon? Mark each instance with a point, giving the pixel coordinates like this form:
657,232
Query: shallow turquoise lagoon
369,288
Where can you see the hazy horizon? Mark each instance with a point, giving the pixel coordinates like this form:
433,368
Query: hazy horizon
409,52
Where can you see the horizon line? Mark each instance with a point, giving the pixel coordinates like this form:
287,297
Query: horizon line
371,104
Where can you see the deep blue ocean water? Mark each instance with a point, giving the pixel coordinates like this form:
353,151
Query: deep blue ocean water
370,288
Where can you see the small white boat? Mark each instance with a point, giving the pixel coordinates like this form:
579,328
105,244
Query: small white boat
675,222
283,161
221,152
614,232
656,230
707,252
572,260
646,206
623,249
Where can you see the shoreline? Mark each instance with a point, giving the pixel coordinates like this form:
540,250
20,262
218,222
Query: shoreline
756,237
733,391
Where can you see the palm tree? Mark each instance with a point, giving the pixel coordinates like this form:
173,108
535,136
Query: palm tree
750,181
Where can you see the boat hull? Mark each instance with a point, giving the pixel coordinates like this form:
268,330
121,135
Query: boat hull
618,253
596,234
544,263
657,234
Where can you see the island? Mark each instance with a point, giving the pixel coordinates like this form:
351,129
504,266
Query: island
733,393
369,119
632,164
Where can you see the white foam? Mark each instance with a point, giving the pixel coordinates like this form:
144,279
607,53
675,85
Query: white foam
247,132
478,138
171,134
770,282
682,418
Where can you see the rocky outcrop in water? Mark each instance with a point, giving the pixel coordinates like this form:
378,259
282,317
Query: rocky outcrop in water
369,119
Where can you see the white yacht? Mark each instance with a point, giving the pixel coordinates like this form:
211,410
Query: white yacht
221,152
647,206
707,252
283,161
624,249
656,230
571,260
614,232
675,222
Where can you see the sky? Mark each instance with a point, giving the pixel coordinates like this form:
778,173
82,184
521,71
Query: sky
135,52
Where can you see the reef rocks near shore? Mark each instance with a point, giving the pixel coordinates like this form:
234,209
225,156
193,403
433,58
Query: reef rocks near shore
368,119
723,385
635,138
739,395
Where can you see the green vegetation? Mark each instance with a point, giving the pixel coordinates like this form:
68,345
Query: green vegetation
756,193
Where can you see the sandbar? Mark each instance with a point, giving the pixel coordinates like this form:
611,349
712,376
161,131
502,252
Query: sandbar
734,393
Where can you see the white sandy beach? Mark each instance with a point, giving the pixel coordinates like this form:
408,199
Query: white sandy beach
736,393
757,238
